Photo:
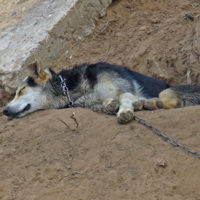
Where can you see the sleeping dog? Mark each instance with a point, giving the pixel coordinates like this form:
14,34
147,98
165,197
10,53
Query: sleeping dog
115,88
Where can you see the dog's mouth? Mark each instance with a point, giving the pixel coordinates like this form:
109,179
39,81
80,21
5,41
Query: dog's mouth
11,114
28,106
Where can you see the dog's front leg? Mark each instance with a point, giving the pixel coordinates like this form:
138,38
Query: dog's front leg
126,108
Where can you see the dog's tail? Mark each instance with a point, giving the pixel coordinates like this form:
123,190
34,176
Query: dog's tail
180,96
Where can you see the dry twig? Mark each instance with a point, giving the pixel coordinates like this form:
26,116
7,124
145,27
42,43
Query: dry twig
104,28
76,121
65,124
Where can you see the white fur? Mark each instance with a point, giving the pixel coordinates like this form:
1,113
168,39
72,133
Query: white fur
126,103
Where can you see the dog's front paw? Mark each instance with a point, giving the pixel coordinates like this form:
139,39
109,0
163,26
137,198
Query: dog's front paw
138,105
125,116
111,105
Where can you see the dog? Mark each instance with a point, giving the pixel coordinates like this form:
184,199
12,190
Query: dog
102,85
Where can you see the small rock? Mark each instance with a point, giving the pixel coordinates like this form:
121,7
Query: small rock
108,165
69,167
148,32
143,28
155,21
119,34
161,163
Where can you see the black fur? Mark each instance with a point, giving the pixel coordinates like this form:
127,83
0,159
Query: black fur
31,82
151,86
72,76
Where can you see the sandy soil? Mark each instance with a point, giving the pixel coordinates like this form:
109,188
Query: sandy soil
41,158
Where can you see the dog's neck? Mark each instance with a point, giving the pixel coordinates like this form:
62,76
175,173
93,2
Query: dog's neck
70,89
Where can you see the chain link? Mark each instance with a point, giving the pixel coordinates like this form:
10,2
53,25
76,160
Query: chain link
139,120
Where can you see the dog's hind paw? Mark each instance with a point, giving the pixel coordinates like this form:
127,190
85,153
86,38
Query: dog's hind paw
111,105
160,105
125,116
153,104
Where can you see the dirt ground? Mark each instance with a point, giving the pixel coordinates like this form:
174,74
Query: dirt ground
41,158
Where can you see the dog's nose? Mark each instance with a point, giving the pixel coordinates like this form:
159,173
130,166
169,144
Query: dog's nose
6,111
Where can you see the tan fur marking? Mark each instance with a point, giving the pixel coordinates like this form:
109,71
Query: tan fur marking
44,76
169,99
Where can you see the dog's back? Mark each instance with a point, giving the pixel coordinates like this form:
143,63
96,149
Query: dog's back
149,87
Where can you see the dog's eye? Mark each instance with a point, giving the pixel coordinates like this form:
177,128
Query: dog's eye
21,90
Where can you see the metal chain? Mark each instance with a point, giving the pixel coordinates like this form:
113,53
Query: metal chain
93,108
139,120
167,138
66,91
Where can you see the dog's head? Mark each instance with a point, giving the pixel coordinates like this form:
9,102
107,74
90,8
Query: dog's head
39,90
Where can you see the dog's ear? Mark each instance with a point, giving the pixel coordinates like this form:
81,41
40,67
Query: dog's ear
34,69
39,75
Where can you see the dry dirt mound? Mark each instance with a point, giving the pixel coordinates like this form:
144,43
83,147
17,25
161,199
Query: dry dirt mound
40,158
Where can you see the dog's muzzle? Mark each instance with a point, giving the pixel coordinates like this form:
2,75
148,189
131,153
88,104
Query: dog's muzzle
9,112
